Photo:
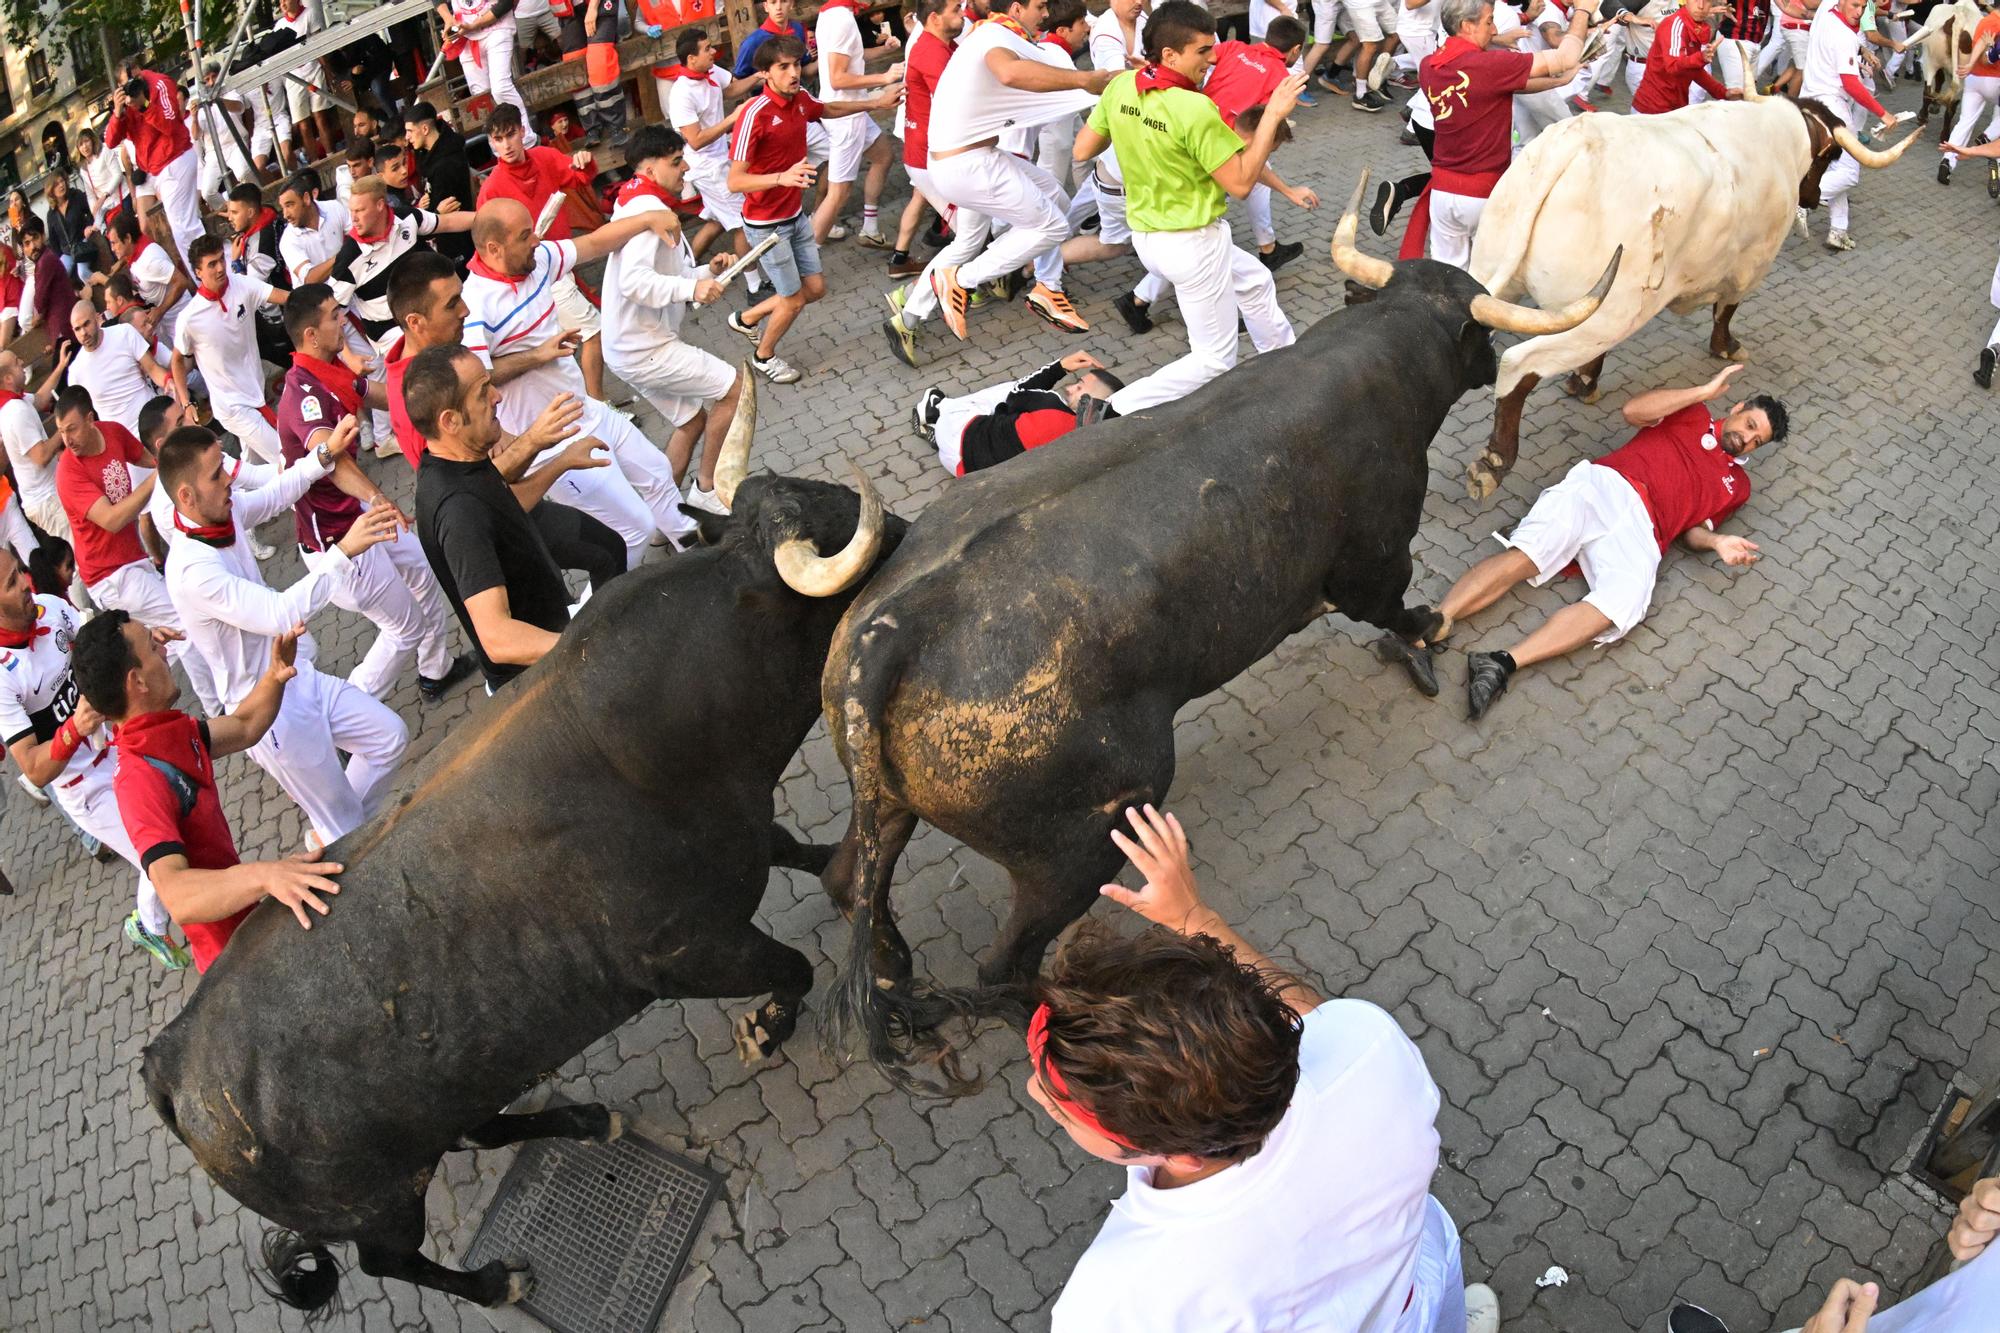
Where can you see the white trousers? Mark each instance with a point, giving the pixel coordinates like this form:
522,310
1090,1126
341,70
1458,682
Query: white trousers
1454,222
1535,112
1982,94
393,586
1055,150
1841,178
1214,282
1413,44
48,515
494,71
138,590
87,798
635,496
180,196
988,186
1437,1295
1259,204
320,716
255,434
955,414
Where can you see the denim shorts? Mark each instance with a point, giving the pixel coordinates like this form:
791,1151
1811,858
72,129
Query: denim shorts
793,259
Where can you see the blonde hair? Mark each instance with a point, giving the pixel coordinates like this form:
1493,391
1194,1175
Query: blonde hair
369,185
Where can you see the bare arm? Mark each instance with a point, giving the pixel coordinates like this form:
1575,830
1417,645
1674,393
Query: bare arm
1656,405
1239,175
193,896
1570,54
837,74
504,638
660,221
1034,77
116,517
1158,848
887,101
161,379
246,724
1089,143
516,364
45,396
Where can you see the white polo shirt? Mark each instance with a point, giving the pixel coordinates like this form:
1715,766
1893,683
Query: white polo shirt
306,248
692,101
1318,1232
118,388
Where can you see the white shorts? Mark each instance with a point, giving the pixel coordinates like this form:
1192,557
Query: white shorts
678,379
1795,42
1326,15
302,101
818,146
1594,517
846,140
1454,223
1371,20
574,310
719,204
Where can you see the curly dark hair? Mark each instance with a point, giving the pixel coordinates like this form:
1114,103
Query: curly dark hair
1171,1042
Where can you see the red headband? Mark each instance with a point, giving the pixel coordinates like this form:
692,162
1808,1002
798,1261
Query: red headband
1058,1090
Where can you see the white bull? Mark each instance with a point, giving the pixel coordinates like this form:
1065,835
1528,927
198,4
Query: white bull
1944,39
1700,200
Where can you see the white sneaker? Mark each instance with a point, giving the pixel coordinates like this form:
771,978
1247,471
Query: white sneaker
1800,224
260,552
1839,240
775,369
836,232
35,794
708,501
1482,1309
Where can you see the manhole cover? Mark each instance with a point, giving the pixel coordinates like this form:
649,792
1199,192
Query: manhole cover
607,1227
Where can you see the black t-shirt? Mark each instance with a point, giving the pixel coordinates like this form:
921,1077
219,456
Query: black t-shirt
476,536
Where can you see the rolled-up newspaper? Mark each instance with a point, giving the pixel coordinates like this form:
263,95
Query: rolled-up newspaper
756,253
550,211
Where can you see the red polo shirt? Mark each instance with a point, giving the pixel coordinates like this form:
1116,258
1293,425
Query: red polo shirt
770,137
1682,472
177,813
1244,75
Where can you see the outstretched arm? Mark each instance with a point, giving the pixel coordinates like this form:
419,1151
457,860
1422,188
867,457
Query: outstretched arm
1656,405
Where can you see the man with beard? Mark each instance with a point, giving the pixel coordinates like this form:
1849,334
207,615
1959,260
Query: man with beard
1612,519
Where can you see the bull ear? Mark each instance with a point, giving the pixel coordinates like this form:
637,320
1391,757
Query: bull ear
708,527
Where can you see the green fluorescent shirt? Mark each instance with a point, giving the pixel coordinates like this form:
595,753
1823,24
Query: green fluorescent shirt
1168,142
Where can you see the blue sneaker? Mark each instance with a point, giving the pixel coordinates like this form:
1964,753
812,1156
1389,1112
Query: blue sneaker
1307,99
169,955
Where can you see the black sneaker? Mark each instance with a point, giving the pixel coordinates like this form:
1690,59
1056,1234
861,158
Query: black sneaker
1983,376
1134,314
1384,210
433,691
1280,255
924,412
1486,677
1944,170
1693,1319
1088,224
1370,101
1010,285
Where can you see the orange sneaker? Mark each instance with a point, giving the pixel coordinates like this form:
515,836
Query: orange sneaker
951,298
1053,306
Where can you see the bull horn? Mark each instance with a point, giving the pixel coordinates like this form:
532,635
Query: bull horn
1750,93
1507,317
807,572
734,462
1364,269
1862,153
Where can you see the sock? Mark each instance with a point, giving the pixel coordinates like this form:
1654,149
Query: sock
899,256
1506,659
871,219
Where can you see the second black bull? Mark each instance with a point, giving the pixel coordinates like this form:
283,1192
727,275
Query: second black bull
1011,674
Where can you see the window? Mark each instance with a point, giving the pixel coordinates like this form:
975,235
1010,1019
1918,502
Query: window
41,80
85,59
6,94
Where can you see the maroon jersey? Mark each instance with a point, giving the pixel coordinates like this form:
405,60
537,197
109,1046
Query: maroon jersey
308,404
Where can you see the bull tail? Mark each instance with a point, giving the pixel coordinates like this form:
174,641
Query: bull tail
1507,234
304,1275
898,1016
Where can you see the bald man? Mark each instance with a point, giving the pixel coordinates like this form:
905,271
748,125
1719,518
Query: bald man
116,364
512,327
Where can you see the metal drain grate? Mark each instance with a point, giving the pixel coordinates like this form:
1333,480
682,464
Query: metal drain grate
607,1227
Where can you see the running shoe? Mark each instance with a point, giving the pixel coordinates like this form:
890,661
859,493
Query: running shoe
924,412
951,298
871,240
749,331
1133,313
905,265
1280,255
433,691
776,369
165,952
902,339
836,232
706,501
1054,307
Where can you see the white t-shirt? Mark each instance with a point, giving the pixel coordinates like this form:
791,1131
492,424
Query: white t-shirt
152,273
21,429
1107,41
692,101
118,388
303,26
221,339
1959,1302
1318,1232
970,104
837,33
1832,49
305,248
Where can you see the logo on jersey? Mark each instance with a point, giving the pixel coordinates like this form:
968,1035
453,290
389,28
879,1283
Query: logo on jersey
117,481
309,409
1451,98
63,638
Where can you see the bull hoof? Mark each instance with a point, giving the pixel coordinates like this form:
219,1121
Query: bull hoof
1420,664
520,1281
761,1032
1576,386
614,1127
1481,480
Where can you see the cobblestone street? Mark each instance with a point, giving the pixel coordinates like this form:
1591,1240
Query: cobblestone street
1693,932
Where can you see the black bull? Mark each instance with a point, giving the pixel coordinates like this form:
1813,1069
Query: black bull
1011,674
597,838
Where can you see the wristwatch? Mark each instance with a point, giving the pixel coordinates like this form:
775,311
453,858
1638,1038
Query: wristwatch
325,456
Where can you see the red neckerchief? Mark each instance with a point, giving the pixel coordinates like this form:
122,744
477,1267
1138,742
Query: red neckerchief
208,295
214,534
379,237
1851,27
1155,77
1010,25
851,6
11,639
775,28
640,187
483,269
1057,1088
239,244
679,71
145,243
6,398
1058,43
336,379
171,736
